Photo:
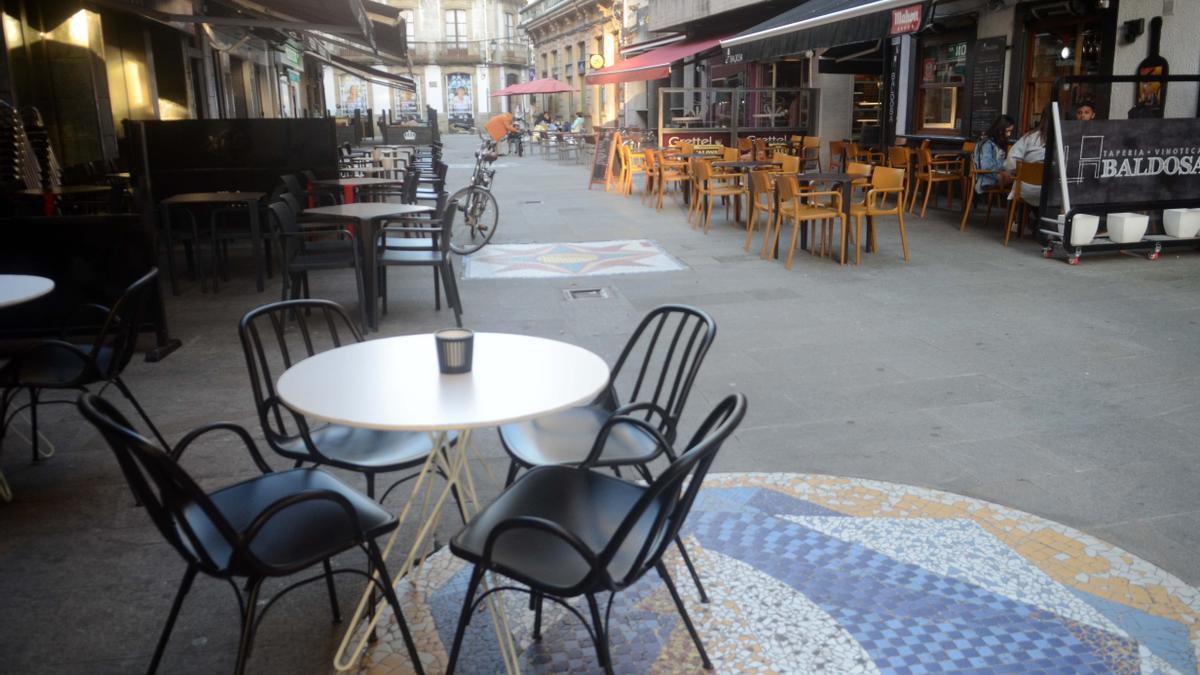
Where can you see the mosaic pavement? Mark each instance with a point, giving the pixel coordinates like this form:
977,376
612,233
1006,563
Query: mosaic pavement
822,574
578,259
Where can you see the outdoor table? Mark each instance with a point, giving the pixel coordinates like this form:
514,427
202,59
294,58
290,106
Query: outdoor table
367,216
49,196
350,185
188,199
846,180
394,384
374,169
744,166
14,290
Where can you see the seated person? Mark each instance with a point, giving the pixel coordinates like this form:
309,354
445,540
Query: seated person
1030,148
989,155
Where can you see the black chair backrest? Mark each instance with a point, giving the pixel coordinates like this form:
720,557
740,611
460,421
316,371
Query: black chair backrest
669,493
292,183
412,179
120,330
171,498
668,347
279,335
293,202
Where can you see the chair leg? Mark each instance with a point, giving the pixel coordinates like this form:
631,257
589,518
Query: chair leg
385,581
333,601
1008,220
33,422
536,599
184,587
601,635
687,560
903,239
687,620
928,191
437,291
137,406
513,468
464,618
967,209
248,627
795,233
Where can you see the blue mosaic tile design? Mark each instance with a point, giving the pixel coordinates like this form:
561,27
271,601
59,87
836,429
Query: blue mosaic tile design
1168,639
801,585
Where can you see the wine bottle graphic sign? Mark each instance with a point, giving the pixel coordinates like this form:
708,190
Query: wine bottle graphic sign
1152,95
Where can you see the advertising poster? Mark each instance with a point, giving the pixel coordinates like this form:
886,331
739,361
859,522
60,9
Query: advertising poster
352,94
408,103
458,95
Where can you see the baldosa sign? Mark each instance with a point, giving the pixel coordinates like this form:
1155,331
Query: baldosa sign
1140,160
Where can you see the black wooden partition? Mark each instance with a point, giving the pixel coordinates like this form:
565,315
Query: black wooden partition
173,157
92,259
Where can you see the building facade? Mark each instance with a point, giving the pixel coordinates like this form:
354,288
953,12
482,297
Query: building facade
460,51
570,39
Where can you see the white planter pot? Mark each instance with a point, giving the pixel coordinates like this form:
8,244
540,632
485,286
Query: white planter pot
1181,223
1083,228
1127,228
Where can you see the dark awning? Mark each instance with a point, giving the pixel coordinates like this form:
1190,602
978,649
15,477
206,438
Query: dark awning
373,75
858,58
817,24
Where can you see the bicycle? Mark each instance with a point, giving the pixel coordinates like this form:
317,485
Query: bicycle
481,212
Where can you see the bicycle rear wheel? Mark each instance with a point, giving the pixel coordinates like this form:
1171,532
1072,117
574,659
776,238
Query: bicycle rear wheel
475,220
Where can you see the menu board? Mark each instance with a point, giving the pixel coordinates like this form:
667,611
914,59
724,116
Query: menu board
606,145
987,84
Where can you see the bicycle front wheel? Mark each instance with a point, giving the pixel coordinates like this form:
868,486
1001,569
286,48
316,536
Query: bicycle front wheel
475,219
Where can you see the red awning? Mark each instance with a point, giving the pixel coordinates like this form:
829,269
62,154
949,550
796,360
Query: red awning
652,65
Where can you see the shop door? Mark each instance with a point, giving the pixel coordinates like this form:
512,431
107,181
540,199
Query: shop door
1058,48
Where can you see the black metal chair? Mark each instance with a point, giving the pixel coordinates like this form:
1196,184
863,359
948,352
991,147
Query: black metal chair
62,365
276,336
274,525
431,248
569,531
310,249
670,344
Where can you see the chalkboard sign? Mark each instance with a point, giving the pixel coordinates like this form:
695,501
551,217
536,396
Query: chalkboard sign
1140,161
987,84
607,139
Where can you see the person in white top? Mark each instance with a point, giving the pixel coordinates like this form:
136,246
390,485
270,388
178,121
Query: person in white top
1030,148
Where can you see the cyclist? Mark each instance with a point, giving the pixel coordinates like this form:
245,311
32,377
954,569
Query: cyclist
501,127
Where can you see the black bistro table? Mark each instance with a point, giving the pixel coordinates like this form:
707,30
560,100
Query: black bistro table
367,216
249,200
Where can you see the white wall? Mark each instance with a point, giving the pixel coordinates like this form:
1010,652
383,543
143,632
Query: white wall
1180,47
435,94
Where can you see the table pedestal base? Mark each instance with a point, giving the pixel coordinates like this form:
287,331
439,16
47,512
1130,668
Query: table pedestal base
451,460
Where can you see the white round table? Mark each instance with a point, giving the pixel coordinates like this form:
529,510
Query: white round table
18,288
14,290
393,384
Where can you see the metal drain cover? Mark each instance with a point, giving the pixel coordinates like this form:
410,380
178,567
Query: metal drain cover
585,293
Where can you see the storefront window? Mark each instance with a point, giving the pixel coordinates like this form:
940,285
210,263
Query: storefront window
942,91
1058,49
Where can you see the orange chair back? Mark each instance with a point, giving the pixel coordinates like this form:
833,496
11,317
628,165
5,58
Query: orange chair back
898,157
788,188
731,154
686,148
745,145
1030,172
701,169
886,178
788,163
760,182
859,169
